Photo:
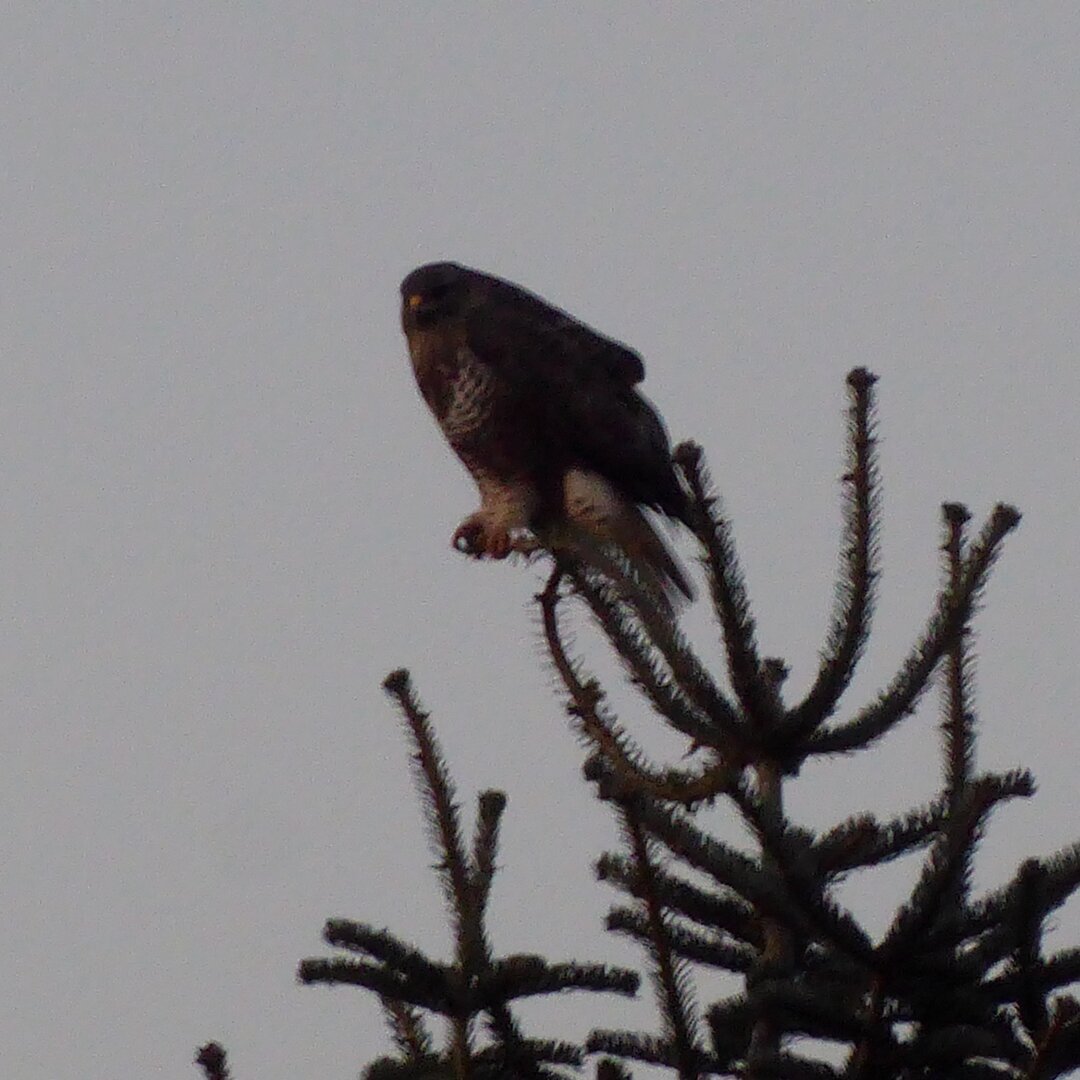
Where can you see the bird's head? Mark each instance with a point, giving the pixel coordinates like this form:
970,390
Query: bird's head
436,292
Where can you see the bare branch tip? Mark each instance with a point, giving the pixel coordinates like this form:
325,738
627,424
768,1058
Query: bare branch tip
492,801
211,1059
397,682
861,378
1008,517
955,513
687,455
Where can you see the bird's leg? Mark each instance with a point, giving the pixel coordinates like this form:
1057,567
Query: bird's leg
469,536
492,530
479,536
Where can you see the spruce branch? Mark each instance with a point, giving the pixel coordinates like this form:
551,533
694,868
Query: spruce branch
490,807
603,733
610,1069
710,950
764,889
706,717
864,841
958,717
524,975
850,624
648,1049
947,865
1059,879
1058,1051
442,814
663,635
436,993
728,590
780,1065
953,611
380,945
212,1059
407,1030
1030,996
476,986
721,911
670,975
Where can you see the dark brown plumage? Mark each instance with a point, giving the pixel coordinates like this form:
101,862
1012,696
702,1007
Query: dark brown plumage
545,414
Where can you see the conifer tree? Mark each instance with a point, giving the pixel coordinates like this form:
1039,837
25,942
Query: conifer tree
959,985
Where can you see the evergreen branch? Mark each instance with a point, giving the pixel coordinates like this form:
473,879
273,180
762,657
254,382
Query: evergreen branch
958,718
518,1056
721,911
490,1063
730,1025
953,612
1058,1052
442,816
705,717
997,913
490,807
625,762
514,1058
708,949
789,852
610,1069
867,1053
407,1030
648,1049
661,632
864,841
948,863
525,975
983,1070
781,1065
1027,959
947,1047
435,996
1061,969
430,1067
723,863
970,954
1059,879
850,625
625,773
213,1061
669,973
819,1010
763,810
638,1046
764,890
552,1051
381,945
728,589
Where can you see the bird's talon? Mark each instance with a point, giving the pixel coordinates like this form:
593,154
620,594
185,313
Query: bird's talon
499,545
469,539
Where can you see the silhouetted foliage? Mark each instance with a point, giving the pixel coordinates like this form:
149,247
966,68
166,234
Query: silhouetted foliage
957,986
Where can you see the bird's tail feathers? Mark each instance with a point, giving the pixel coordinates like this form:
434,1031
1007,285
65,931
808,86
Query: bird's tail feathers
638,537
596,513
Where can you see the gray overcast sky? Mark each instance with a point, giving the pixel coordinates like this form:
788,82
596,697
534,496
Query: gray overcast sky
227,513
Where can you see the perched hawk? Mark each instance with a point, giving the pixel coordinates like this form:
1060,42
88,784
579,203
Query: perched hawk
544,413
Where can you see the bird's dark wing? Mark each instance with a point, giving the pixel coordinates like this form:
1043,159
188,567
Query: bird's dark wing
582,388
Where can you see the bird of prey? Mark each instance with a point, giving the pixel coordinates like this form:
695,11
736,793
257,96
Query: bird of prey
545,414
